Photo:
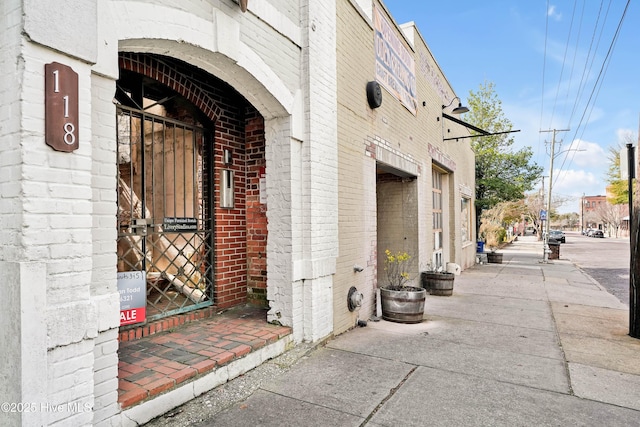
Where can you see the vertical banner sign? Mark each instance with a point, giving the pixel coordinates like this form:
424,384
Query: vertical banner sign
61,107
132,286
395,66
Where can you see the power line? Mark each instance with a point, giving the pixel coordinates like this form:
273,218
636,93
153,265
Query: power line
599,80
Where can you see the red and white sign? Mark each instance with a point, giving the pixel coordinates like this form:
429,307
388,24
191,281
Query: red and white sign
133,315
132,286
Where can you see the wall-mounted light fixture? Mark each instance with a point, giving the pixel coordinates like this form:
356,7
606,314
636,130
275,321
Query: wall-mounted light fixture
457,110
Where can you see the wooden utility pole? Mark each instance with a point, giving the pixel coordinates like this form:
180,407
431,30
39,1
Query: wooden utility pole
545,255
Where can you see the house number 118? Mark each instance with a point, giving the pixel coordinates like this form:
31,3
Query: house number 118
61,107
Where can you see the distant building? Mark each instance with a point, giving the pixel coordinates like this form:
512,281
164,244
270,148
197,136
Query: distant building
597,213
589,209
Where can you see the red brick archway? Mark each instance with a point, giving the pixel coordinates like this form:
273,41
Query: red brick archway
240,231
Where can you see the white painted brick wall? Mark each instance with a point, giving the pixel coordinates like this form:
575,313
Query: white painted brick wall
58,209
279,187
320,171
70,381
318,299
10,110
105,367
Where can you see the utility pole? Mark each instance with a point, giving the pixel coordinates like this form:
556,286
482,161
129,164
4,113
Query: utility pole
542,201
545,240
634,296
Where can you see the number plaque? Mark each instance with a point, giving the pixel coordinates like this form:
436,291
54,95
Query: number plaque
61,107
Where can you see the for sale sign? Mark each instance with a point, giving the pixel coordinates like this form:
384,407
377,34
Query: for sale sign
132,286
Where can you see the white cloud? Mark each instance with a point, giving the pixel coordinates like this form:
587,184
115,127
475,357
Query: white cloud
570,185
585,154
551,12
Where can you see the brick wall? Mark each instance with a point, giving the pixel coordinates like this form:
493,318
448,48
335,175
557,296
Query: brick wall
256,210
105,377
240,231
103,283
403,138
357,169
57,210
230,223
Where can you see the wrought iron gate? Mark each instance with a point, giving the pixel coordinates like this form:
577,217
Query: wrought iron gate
165,210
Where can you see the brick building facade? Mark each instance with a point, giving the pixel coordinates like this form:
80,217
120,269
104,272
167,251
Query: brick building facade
196,126
404,185
590,211
228,156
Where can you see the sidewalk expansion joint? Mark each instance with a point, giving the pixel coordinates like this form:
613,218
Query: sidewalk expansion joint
388,396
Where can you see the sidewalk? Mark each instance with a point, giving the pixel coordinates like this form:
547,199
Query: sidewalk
518,343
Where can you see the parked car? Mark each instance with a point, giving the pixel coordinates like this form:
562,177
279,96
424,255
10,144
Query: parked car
558,235
596,233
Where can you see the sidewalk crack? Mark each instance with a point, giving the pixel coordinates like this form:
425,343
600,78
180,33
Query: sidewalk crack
388,396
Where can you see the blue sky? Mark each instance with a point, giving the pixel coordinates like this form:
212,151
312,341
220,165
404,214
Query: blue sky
553,66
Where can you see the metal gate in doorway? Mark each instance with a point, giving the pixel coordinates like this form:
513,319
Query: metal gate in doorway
165,210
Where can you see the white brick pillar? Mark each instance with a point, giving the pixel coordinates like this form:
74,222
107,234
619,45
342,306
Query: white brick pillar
317,266
302,178
104,288
23,334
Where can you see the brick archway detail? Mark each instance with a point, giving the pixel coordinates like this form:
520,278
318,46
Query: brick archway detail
150,66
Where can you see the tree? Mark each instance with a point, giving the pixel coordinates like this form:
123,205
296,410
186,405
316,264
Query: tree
496,219
568,220
502,174
617,187
533,204
611,216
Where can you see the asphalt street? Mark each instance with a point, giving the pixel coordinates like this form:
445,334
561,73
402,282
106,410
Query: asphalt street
606,260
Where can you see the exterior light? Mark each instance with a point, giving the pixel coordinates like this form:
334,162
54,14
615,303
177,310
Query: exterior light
457,110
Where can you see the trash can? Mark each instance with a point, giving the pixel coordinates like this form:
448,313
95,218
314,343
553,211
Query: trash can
554,248
480,247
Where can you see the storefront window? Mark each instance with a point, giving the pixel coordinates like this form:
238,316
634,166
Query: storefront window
465,219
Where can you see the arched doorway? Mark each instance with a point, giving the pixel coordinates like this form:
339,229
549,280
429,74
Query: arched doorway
188,179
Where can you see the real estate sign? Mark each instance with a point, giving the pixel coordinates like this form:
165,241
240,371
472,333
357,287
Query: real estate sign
132,286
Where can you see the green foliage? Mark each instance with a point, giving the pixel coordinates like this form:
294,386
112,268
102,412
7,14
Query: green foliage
502,174
618,188
613,167
620,192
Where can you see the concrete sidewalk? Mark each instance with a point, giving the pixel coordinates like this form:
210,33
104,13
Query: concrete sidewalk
518,343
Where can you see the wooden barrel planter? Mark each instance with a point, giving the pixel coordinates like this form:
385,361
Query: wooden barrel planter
494,258
438,283
403,306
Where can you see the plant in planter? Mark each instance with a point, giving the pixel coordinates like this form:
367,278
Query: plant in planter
437,281
493,233
400,301
494,257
